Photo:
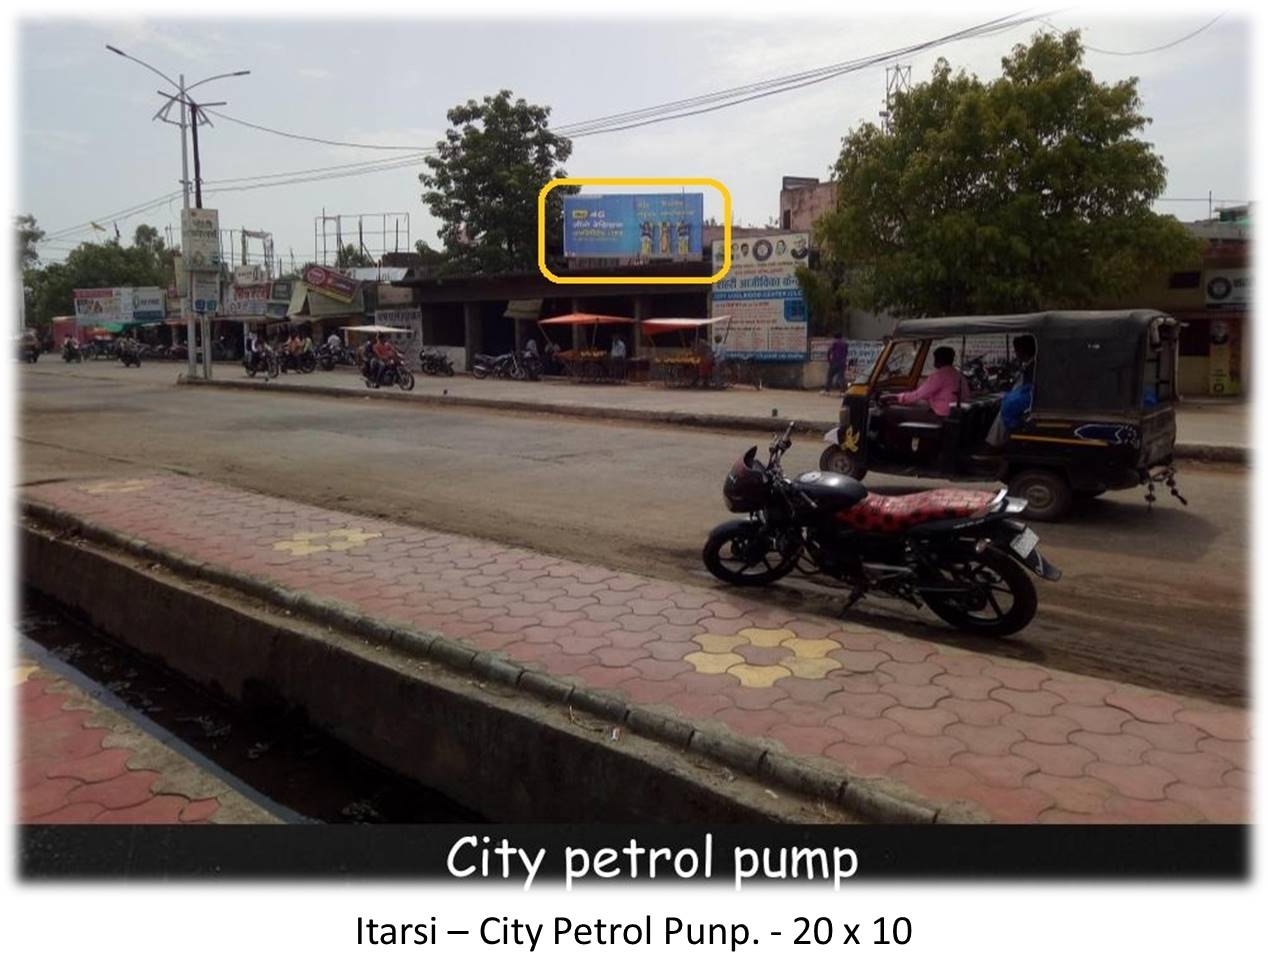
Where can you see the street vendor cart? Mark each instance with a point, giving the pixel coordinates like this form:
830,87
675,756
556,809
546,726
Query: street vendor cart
694,362
590,362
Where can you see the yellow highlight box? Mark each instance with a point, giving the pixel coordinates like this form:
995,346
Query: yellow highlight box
636,182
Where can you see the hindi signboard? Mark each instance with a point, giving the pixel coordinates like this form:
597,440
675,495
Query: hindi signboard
206,292
248,299
763,299
646,226
330,283
147,304
200,239
94,307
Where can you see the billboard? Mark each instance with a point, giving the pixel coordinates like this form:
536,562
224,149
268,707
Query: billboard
762,297
248,299
646,226
331,284
200,239
147,304
118,304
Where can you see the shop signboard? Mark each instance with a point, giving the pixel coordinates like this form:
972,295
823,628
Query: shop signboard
762,297
643,226
283,289
1224,369
406,319
248,299
206,292
147,304
94,307
330,283
1226,289
200,239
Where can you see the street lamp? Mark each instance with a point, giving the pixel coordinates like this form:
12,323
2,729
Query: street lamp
183,98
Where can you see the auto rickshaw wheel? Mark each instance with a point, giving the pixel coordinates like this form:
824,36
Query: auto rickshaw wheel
1047,494
837,460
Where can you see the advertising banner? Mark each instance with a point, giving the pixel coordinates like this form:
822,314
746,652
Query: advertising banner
330,283
206,292
408,319
1226,289
648,226
248,300
200,239
94,307
761,296
1224,369
147,304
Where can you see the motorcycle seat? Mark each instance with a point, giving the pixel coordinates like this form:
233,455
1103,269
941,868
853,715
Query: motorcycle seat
894,514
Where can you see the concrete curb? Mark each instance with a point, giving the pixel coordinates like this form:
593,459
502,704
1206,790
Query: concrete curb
1202,452
880,800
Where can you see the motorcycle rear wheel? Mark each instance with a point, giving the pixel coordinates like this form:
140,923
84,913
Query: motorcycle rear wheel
480,371
747,554
1000,579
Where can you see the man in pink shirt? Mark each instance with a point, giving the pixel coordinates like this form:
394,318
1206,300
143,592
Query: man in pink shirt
943,389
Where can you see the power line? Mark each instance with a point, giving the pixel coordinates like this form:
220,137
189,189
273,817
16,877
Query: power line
316,139
1162,47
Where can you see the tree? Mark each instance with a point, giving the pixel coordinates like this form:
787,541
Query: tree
92,264
1028,192
484,180
352,257
29,236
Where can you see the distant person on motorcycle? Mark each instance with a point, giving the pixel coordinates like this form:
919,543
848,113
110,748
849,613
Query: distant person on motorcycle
385,353
306,345
334,342
367,359
617,355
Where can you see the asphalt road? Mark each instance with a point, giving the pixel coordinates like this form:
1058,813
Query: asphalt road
1155,598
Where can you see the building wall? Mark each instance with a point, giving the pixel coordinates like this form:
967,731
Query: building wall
800,205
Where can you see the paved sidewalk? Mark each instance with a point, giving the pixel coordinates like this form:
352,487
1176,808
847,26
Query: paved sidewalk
1021,743
80,762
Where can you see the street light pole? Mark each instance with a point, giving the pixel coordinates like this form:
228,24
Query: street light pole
190,353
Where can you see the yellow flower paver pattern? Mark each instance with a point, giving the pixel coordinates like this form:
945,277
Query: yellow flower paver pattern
314,542
806,658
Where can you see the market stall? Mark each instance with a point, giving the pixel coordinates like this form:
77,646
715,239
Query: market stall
692,362
590,362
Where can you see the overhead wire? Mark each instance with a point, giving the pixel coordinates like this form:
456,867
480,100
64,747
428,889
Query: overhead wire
1161,47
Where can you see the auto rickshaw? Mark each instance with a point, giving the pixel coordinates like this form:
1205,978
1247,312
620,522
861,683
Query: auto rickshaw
1090,409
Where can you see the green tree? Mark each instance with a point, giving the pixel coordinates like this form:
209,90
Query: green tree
352,257
484,179
29,237
1031,191
91,265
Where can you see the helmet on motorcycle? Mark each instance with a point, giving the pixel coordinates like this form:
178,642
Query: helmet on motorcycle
745,486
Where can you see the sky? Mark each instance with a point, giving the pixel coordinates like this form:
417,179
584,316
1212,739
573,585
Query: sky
87,144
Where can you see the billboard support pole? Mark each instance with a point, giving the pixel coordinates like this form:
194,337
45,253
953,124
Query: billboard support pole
190,350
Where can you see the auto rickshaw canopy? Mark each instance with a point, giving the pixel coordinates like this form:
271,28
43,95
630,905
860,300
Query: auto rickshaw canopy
1086,360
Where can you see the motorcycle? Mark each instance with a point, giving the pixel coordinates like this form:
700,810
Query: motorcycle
963,553
506,366
265,360
71,354
328,359
434,362
130,355
394,373
305,362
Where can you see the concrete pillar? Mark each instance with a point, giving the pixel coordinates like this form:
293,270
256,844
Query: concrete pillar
473,331
578,338
522,333
429,325
640,311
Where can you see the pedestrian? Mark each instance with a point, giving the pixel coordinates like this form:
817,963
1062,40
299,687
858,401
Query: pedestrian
838,357
617,355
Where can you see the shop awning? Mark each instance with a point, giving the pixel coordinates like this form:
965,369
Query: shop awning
374,328
671,323
584,320
120,326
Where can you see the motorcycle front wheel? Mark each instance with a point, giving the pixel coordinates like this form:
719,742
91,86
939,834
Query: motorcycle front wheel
1000,597
405,379
480,371
748,553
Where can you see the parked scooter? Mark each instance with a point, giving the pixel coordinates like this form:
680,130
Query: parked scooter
433,361
964,553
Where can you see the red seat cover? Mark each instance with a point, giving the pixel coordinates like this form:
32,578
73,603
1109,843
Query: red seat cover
878,512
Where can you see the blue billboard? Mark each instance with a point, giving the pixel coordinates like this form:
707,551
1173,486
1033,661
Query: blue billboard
647,226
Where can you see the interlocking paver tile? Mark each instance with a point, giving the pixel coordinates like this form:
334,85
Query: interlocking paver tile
1153,811
1017,739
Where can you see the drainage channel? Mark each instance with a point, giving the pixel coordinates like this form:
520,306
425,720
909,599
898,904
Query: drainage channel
287,766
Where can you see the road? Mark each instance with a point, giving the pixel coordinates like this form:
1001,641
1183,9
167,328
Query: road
1155,598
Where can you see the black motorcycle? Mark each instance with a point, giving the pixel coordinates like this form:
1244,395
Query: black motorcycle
328,359
394,373
305,362
265,360
435,362
71,354
964,553
130,355
509,366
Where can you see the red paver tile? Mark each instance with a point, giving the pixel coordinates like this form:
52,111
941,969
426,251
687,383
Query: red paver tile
660,670
1152,811
961,664
199,811
1050,729
861,705
1007,805
1152,708
1017,678
926,750
1058,816
644,691
1231,726
975,688
992,740
860,661
864,731
1038,703
1237,779
650,607
858,642
915,695
676,634
1199,769
811,629
630,641
997,770
75,813
1056,760
755,723
865,760
47,707
939,783
859,683
981,713
1078,794
804,740
493,641
807,689
697,704
1120,750
908,651
162,809
725,627
617,656
671,652
1238,753
604,675
761,656
1101,719
757,698
800,712
127,790
45,797
62,743
921,721
1173,736
911,675
94,768
1140,782
684,617
1218,805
